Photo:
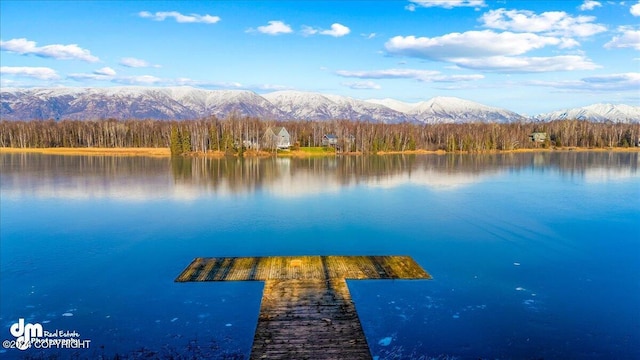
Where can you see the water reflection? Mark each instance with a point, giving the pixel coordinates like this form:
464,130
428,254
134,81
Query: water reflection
143,179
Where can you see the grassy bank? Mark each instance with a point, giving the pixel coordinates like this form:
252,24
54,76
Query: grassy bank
305,151
129,151
301,152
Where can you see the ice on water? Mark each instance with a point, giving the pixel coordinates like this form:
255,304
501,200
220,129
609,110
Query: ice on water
385,341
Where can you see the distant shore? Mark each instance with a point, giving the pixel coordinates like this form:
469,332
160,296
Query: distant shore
165,152
157,152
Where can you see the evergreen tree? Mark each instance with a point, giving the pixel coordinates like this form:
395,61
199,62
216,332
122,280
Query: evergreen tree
175,142
186,141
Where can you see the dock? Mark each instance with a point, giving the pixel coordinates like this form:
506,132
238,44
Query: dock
306,310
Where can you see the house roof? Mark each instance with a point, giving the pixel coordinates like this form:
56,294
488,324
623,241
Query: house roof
331,136
277,130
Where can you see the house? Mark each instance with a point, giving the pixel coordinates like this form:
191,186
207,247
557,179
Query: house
329,140
538,137
342,144
277,138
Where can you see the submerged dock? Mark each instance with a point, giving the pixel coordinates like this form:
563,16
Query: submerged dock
306,310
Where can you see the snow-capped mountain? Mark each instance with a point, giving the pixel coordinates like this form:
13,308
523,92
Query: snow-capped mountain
452,110
132,103
312,106
191,103
596,112
394,104
179,103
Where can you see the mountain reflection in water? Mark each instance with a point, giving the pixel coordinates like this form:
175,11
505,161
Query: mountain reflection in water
141,178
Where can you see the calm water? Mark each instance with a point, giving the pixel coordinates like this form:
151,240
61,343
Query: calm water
533,255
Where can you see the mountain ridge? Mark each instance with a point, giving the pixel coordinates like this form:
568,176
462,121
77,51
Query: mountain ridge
596,112
184,102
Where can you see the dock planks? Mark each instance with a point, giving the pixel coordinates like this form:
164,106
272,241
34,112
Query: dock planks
302,267
306,310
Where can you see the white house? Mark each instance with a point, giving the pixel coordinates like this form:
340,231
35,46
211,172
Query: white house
277,138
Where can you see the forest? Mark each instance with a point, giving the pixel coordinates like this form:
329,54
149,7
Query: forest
238,134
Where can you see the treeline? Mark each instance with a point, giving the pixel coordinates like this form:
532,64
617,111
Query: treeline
237,134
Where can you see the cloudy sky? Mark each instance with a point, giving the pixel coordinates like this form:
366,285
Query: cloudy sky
526,56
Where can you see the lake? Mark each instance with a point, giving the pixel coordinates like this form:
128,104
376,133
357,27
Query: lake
533,255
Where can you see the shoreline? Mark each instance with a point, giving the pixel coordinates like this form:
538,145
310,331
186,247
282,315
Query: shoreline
153,152
165,152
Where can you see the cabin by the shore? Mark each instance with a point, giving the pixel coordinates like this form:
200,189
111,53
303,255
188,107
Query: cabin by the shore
277,138
538,137
329,140
341,144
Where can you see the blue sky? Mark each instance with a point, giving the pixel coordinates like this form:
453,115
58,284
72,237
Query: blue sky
526,56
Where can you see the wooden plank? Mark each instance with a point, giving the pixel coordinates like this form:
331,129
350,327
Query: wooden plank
187,274
302,267
308,319
306,310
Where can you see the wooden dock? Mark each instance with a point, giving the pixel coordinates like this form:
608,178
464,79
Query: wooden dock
306,310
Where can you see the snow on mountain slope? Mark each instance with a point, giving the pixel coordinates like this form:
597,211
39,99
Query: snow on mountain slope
241,102
577,114
394,104
178,103
302,105
313,106
618,113
454,110
132,103
596,112
353,109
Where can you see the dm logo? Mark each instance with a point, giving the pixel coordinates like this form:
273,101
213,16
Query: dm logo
24,333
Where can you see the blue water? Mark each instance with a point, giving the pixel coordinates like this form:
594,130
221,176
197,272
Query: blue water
533,255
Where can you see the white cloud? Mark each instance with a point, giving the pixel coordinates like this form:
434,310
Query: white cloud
508,64
104,74
136,63
389,74
205,84
420,75
23,46
93,76
447,4
491,51
272,87
138,80
608,82
42,73
457,78
108,74
469,44
635,9
628,79
363,85
8,83
191,18
106,71
557,23
308,30
337,30
369,36
275,27
628,38
589,5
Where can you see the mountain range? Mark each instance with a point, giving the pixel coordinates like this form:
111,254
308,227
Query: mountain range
179,103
